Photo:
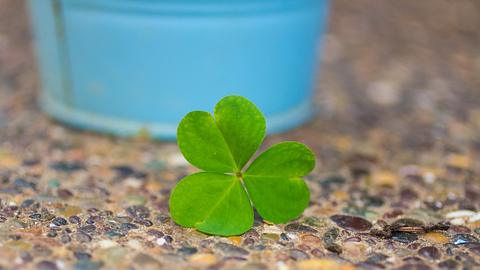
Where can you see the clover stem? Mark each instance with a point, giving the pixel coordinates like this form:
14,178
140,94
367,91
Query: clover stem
240,178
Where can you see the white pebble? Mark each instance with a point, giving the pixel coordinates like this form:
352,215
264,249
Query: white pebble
271,229
292,236
161,241
474,218
460,214
457,221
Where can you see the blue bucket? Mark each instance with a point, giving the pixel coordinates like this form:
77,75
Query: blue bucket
121,66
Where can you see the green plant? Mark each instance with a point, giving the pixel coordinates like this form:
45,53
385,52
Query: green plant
219,200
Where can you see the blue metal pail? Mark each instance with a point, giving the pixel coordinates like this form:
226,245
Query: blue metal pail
120,66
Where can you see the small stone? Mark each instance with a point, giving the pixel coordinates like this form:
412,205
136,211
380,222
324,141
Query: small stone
334,248
90,220
168,238
155,233
248,241
430,252
436,238
316,252
46,265
128,226
236,240
138,212
414,266
330,235
298,255
74,220
460,214
123,170
26,257
353,249
459,229
463,239
258,247
59,221
377,257
20,183
80,255
52,234
231,250
116,233
407,222
370,265
271,236
353,239
297,227
404,237
203,259
187,250
413,246
87,265
474,219
64,193
65,239
123,219
308,239
351,223
374,201
474,248
27,203
448,264
83,237
68,167
88,228
146,223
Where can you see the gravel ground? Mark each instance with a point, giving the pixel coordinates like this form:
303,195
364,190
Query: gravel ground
396,187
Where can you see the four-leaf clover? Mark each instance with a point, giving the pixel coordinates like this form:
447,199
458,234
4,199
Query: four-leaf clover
219,200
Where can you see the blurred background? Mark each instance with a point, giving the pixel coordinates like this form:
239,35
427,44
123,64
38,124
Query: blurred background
406,69
381,59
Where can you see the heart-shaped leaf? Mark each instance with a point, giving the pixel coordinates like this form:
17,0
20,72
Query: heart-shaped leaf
213,203
226,143
274,181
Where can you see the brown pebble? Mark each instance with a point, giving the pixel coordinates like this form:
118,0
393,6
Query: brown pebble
310,239
430,252
351,223
317,253
459,229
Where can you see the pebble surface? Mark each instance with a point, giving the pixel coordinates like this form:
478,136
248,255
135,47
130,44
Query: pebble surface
396,185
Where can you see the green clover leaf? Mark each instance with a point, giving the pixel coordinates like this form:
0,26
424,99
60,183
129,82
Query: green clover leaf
219,201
